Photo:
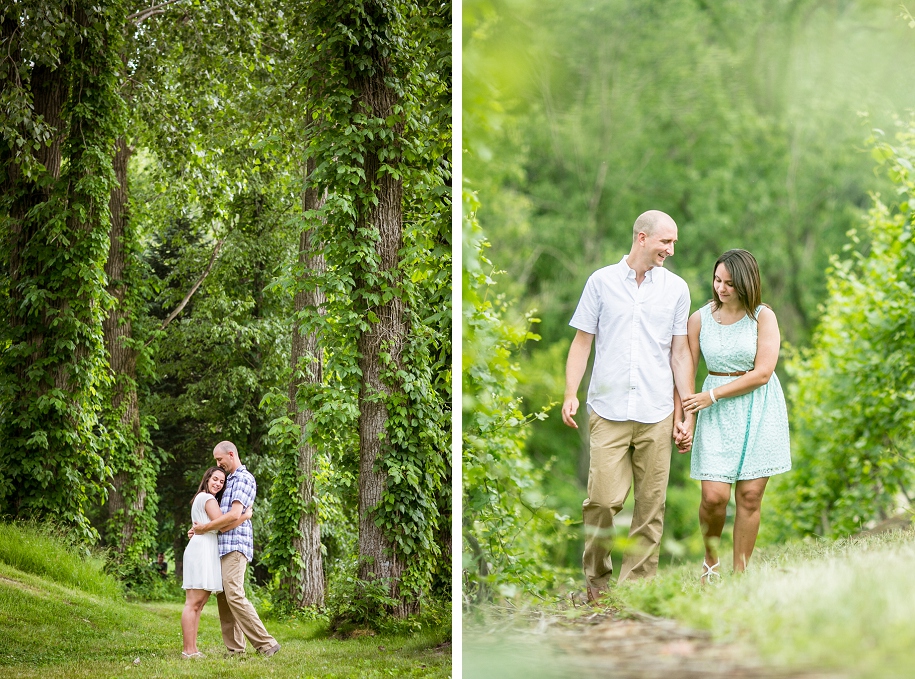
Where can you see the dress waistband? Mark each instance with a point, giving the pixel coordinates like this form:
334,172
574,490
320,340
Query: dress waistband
736,373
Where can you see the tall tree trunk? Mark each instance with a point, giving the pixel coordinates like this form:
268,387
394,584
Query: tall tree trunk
21,194
378,557
49,89
306,583
127,497
53,360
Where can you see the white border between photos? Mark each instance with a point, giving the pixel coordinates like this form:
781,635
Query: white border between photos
456,337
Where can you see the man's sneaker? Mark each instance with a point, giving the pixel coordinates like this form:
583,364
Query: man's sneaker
594,595
271,651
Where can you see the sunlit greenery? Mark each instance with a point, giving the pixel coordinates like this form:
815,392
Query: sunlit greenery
755,125
844,605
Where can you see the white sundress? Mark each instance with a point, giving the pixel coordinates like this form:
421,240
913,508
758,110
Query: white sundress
202,568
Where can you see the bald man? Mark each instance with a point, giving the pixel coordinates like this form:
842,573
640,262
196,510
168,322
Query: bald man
237,615
637,311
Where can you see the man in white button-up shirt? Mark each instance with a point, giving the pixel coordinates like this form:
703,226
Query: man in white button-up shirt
637,311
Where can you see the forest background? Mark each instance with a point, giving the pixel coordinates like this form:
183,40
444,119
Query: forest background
784,128
231,220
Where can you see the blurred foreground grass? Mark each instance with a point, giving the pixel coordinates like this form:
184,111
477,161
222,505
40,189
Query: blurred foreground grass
845,608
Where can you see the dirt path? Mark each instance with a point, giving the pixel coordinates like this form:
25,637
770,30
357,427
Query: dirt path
607,645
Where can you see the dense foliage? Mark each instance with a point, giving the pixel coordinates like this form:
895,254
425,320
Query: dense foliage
854,442
153,218
506,528
61,114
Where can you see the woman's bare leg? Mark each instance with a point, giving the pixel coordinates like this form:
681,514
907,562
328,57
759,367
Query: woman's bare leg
748,495
712,513
190,617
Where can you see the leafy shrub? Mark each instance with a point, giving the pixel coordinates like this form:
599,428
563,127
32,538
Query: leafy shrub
355,604
508,529
853,402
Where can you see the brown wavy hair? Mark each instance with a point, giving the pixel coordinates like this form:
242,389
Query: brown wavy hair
202,488
744,272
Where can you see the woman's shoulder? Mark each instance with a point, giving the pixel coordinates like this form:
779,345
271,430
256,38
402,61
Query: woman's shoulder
204,497
701,312
765,311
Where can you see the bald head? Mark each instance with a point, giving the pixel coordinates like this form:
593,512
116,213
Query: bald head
226,455
649,222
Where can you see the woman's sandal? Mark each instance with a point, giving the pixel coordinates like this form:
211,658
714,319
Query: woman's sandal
709,572
188,656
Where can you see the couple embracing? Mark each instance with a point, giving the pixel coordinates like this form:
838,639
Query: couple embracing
221,545
642,394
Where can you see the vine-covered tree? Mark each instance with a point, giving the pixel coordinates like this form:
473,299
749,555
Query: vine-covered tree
371,74
61,116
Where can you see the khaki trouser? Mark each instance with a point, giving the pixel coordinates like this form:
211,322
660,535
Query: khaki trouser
623,452
236,614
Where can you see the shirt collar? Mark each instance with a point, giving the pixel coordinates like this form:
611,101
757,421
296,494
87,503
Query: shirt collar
629,272
239,468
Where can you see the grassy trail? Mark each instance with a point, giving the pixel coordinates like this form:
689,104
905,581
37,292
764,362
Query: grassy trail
51,630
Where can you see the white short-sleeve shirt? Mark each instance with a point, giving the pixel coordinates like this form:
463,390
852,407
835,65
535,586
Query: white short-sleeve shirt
633,327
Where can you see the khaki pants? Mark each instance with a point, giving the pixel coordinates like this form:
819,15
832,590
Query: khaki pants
236,614
623,452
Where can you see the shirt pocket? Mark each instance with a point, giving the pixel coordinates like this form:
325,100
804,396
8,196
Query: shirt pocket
661,319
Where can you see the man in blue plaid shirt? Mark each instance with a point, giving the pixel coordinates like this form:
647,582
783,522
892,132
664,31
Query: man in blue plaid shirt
236,548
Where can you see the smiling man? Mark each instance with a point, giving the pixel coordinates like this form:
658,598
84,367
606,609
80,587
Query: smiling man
638,311
237,616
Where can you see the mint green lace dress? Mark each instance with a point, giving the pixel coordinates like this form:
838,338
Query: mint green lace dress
744,437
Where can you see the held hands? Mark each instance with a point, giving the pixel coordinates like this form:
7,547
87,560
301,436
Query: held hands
693,404
683,437
569,408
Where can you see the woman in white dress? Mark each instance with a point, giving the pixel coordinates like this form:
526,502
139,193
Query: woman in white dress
202,570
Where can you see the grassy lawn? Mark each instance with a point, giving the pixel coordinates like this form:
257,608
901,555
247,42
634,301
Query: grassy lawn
847,606
53,628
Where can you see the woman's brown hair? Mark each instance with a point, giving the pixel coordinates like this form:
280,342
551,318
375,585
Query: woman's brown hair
745,276
202,488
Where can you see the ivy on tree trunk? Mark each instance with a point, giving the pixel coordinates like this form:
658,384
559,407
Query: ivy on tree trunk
366,70
57,160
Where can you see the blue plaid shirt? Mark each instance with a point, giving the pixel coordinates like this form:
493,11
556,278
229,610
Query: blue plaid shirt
240,486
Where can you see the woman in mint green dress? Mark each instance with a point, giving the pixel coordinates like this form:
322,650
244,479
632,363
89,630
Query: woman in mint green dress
741,435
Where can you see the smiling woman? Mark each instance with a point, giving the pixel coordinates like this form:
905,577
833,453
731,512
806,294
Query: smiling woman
742,429
202,570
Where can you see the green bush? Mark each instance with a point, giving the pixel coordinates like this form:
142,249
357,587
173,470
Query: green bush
356,604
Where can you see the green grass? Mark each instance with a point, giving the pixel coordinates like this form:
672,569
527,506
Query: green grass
847,606
39,549
52,628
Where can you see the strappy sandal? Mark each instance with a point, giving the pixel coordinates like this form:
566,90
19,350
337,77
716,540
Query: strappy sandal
709,572
192,656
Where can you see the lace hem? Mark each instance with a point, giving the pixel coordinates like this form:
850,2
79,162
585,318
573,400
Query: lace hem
743,476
